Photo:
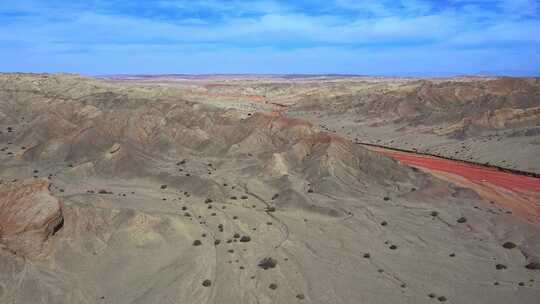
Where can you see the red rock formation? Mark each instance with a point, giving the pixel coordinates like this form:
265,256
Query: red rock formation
29,215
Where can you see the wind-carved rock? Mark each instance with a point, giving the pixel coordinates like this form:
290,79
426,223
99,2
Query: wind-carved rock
29,215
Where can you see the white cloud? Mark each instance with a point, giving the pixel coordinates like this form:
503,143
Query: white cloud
235,7
385,8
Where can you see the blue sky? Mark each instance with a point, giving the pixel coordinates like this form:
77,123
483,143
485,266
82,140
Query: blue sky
407,37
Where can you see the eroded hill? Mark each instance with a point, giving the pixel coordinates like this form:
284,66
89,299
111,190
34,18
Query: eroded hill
493,121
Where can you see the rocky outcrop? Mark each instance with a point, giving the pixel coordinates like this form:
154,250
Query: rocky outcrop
29,215
509,117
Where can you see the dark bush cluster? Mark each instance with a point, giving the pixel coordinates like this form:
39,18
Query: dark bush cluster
267,263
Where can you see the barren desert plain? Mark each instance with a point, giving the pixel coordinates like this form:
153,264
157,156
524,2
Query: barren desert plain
269,189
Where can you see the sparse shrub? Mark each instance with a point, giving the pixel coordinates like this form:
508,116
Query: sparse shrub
197,243
267,263
500,267
461,220
206,283
533,266
509,245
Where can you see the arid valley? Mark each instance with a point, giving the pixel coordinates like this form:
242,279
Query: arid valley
269,189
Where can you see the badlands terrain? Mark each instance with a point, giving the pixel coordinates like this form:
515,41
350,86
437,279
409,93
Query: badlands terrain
261,189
